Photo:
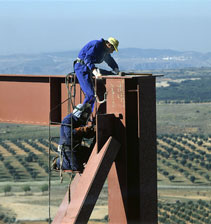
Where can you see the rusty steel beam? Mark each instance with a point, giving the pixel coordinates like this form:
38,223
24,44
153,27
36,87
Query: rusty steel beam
105,128
62,210
32,99
132,180
39,99
147,151
29,99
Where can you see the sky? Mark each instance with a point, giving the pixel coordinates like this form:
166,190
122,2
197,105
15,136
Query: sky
40,26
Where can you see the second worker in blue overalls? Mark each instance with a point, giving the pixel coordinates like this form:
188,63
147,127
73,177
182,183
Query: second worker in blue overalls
95,52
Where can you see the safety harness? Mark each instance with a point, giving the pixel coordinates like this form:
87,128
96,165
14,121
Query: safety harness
81,61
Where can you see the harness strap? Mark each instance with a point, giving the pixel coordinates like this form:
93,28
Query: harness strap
61,162
96,96
81,61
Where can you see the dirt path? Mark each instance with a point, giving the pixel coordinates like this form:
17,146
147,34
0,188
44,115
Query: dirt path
35,207
25,211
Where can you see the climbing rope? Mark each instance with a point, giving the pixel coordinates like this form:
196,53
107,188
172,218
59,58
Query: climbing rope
70,81
49,174
96,96
70,84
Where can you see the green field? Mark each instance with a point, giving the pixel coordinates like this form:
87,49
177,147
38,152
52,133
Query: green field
193,118
183,155
184,163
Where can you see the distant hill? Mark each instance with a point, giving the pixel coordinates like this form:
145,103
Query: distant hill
129,59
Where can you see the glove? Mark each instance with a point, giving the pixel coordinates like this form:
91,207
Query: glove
86,132
116,70
83,129
96,73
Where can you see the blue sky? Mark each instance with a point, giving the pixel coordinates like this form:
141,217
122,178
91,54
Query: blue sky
35,26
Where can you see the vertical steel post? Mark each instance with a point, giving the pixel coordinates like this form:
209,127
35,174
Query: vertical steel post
132,181
147,151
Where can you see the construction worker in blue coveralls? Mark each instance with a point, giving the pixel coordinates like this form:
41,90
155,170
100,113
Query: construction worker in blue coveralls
72,136
94,52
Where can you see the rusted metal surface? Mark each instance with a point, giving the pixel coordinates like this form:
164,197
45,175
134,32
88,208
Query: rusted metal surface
62,211
117,178
35,98
132,180
105,128
133,175
29,99
27,103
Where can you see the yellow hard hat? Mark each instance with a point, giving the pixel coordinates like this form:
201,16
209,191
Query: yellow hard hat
114,42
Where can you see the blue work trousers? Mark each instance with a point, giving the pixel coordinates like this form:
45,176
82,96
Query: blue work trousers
85,80
71,159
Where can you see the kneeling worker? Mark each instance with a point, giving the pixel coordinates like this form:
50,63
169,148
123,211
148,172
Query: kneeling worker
73,136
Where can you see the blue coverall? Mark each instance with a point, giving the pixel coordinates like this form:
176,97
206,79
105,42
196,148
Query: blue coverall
71,160
95,52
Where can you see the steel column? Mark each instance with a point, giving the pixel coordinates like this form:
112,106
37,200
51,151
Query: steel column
147,151
132,181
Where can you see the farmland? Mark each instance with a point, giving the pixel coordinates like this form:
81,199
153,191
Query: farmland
183,158
184,155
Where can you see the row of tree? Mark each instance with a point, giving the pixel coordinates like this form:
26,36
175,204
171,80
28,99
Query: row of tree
187,91
184,212
26,188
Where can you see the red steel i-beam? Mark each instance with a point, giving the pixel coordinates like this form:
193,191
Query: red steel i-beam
33,99
132,180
